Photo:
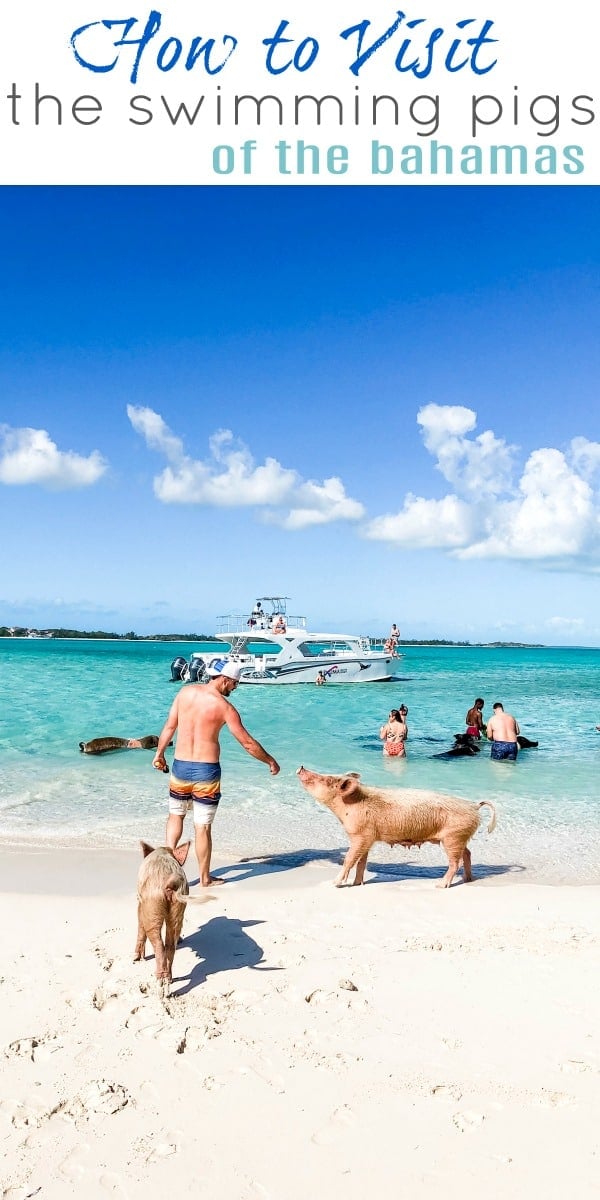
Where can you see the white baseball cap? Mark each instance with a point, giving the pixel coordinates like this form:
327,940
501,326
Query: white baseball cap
223,667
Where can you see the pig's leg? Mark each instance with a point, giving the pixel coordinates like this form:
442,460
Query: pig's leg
153,932
140,945
172,932
454,850
360,870
357,848
467,873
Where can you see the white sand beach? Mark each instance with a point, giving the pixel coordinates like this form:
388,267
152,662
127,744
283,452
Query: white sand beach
387,1040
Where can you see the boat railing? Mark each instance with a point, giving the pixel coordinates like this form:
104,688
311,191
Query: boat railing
240,622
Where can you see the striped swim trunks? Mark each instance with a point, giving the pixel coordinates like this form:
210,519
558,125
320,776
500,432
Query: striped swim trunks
197,784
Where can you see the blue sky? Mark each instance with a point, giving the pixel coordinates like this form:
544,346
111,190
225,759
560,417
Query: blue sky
381,402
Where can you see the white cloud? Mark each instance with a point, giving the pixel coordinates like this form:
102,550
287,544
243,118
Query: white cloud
565,624
550,516
585,456
553,519
425,524
317,504
230,478
482,466
154,431
29,456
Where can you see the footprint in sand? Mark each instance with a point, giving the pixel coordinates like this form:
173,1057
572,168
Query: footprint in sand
168,1145
97,1098
172,1037
575,1066
197,1037
74,1166
253,1190
34,1048
263,1069
446,1091
103,995
468,1122
25,1192
105,958
556,1099
338,1124
214,1083
452,1043
42,1136
21,1115
112,1184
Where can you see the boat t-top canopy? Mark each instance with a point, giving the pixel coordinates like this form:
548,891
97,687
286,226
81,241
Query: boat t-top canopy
264,615
278,603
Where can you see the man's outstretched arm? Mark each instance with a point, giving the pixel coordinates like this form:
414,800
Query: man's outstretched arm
249,743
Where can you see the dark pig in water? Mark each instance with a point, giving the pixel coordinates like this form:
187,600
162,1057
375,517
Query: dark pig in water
465,746
162,892
399,817
104,745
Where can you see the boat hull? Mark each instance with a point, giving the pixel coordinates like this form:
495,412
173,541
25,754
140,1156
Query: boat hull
360,670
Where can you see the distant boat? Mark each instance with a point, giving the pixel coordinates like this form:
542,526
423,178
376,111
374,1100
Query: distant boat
274,648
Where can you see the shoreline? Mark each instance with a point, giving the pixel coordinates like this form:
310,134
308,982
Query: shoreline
459,1027
398,867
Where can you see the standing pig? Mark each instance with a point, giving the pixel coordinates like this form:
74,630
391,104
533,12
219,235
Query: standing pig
162,891
398,816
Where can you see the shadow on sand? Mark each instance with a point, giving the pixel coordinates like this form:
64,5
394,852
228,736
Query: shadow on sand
221,945
269,864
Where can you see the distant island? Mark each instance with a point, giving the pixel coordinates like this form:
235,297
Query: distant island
17,631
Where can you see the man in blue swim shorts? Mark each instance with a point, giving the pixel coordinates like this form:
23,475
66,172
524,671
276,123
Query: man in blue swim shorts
502,731
198,713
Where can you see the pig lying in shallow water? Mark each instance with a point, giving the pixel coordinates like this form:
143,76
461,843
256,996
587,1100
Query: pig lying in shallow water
398,816
162,891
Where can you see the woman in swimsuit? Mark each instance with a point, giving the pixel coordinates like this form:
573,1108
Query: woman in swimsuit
394,734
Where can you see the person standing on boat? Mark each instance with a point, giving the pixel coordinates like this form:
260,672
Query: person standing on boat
257,616
198,714
394,734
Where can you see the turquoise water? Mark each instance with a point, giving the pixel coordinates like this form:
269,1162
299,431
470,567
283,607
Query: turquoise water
58,693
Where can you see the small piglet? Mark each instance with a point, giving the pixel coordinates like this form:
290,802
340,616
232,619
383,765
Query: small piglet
398,816
162,891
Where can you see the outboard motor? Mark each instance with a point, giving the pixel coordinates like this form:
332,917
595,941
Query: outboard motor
196,669
179,669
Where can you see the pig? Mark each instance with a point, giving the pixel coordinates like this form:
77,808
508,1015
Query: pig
464,746
162,891
398,816
104,745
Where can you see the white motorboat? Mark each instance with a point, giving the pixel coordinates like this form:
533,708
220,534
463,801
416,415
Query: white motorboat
274,647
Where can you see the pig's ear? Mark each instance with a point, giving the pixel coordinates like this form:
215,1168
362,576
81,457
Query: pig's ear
349,788
146,849
353,774
181,852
